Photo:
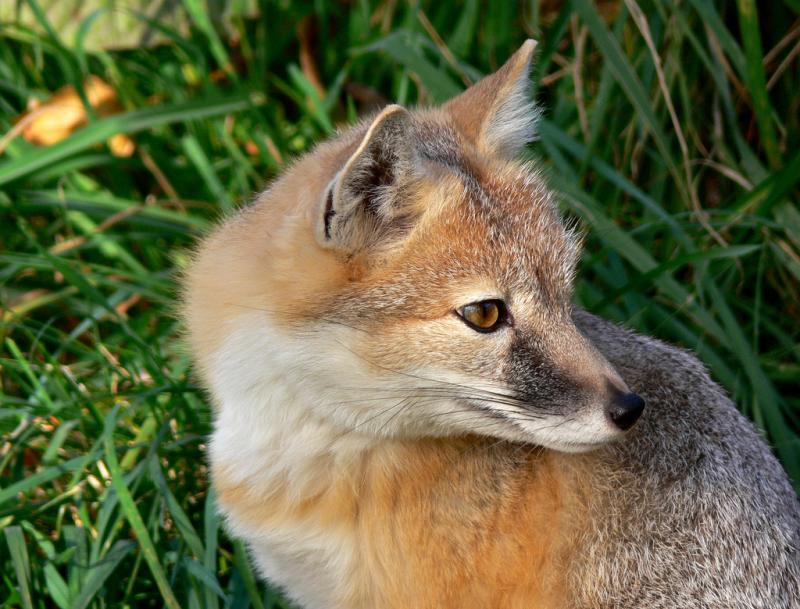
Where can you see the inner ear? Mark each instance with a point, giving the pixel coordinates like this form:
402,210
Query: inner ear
365,197
496,114
374,170
328,215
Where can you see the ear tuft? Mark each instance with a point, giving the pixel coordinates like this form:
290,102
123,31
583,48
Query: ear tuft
497,114
361,202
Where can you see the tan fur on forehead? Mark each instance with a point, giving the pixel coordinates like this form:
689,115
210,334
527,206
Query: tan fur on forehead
499,224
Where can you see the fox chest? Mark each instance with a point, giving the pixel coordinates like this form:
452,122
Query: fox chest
313,568
306,547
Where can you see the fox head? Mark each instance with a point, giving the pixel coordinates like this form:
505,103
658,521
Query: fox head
410,278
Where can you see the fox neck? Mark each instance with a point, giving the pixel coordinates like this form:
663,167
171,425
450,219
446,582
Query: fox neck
266,434
297,452
288,481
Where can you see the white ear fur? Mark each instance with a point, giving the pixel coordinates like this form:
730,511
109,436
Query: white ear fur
497,113
513,123
358,201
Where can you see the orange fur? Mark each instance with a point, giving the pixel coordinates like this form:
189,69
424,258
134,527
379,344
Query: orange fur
439,523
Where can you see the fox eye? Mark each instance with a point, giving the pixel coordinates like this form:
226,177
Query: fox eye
484,316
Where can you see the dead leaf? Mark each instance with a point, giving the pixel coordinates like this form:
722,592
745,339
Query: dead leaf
53,120
121,145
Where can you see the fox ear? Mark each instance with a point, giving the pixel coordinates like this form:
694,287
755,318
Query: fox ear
497,114
361,204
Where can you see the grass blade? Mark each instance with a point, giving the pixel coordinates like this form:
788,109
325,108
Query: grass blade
38,479
756,80
59,591
402,47
133,516
242,562
626,77
19,556
100,572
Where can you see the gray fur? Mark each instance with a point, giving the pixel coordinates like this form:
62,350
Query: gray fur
692,509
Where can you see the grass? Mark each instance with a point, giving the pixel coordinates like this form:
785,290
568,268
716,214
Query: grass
671,130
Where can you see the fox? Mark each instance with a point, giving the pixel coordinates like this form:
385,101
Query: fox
410,411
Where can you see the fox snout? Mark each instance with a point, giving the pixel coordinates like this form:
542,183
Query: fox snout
624,409
565,376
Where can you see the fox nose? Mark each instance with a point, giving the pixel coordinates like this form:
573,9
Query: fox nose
625,410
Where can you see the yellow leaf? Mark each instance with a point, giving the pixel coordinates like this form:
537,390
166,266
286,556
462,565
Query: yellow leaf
121,145
54,119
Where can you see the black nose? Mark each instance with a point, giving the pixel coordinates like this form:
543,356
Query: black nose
625,410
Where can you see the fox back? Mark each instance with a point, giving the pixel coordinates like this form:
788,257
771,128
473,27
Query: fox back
409,412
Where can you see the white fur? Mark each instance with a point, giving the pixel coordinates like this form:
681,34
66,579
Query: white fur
265,434
513,125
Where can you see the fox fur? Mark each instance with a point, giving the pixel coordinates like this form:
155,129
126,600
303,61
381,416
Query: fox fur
375,452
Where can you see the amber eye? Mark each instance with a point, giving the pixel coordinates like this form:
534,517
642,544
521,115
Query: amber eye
484,316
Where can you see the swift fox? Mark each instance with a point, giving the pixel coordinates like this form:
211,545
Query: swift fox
411,414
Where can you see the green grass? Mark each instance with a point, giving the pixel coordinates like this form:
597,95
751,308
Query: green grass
674,137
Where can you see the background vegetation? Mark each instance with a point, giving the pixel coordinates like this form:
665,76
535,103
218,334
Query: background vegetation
671,130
